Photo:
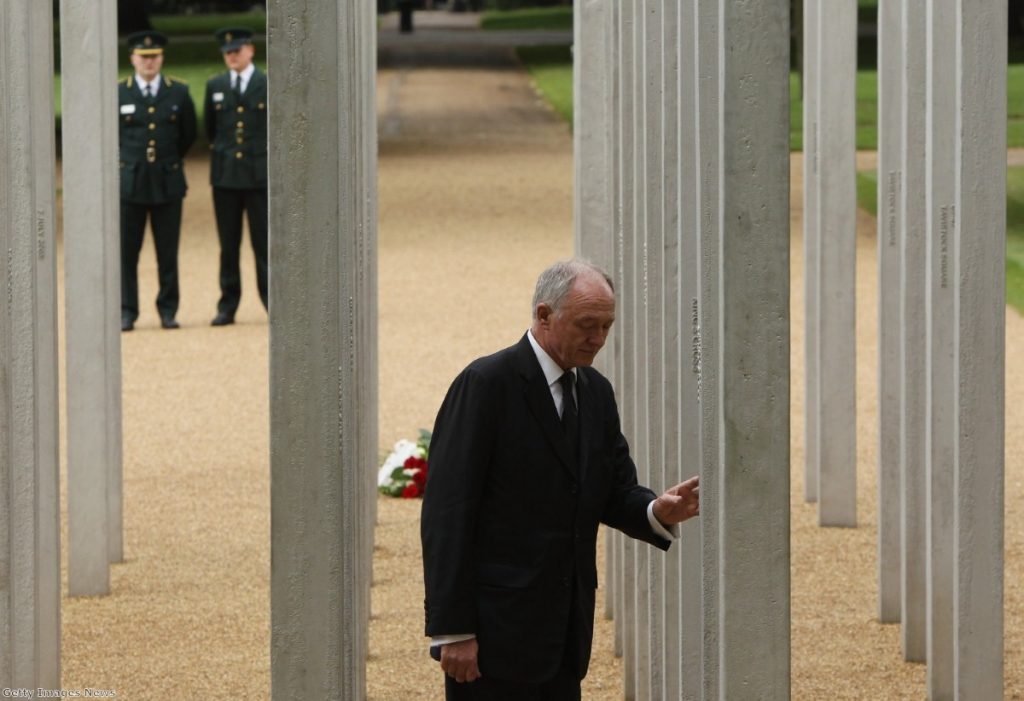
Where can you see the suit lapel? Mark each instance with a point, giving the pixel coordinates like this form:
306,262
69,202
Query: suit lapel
588,419
538,399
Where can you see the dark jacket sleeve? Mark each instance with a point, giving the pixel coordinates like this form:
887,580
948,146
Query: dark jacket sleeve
210,114
460,453
626,508
188,124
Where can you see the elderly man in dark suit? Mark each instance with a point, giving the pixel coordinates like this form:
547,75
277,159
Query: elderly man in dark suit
236,126
526,460
156,126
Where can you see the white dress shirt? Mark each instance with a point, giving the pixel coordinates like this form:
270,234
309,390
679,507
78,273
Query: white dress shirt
244,75
552,373
154,85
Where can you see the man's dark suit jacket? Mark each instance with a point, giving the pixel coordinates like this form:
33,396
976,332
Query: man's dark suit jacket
509,522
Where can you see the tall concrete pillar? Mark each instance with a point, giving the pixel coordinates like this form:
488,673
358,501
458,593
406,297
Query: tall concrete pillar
592,131
979,275
29,481
890,177
613,348
707,342
648,307
322,373
92,292
812,224
631,19
836,209
912,324
623,269
940,319
364,105
752,509
683,672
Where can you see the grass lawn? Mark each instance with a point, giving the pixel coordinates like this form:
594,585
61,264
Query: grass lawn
529,18
551,69
207,24
867,193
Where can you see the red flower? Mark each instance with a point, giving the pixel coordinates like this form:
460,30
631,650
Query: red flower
413,462
419,478
411,491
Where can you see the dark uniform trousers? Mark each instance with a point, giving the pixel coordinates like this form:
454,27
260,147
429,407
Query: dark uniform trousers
236,126
228,205
165,220
154,133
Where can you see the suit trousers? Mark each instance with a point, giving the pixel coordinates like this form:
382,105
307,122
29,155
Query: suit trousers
564,686
165,220
228,205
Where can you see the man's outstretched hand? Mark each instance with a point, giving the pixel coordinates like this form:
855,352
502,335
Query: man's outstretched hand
678,503
459,660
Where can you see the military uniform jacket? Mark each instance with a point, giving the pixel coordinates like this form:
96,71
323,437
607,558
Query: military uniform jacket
155,133
237,131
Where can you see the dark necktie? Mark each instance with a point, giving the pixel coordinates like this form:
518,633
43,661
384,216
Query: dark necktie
236,87
570,415
145,91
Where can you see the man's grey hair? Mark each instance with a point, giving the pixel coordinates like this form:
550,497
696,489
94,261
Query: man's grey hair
555,282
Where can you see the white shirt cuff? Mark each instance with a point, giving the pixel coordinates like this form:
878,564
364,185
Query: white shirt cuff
670,533
438,640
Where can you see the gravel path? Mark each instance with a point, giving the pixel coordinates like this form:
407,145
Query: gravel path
475,199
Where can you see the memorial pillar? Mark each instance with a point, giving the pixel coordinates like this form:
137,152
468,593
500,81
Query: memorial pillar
913,399
631,19
29,476
835,205
92,291
941,310
707,343
322,373
979,250
682,428
890,175
752,508
810,87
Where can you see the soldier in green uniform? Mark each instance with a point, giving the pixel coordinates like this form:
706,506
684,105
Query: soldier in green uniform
157,126
236,124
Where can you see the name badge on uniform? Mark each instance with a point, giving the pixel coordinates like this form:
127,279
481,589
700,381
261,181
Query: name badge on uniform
218,97
127,109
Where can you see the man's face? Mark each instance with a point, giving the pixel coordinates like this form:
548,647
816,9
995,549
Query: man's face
239,59
574,334
148,66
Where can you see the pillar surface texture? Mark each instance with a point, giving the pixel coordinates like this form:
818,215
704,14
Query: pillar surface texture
322,369
29,483
753,387
707,342
682,449
913,392
835,288
890,175
980,250
650,336
940,318
629,12
812,225
92,292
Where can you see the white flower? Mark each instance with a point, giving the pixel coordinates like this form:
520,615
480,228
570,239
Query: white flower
403,450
